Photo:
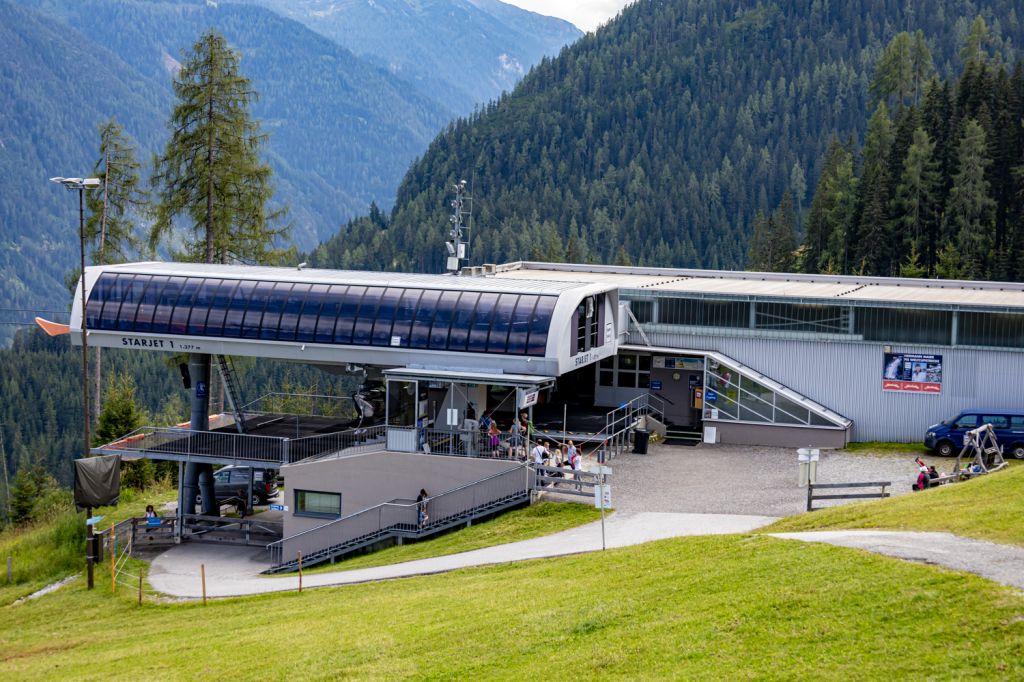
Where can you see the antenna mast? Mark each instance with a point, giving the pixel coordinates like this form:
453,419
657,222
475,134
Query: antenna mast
457,246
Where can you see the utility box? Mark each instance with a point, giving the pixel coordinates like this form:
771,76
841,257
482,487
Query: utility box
807,459
641,438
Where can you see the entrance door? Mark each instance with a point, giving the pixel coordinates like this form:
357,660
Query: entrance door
679,382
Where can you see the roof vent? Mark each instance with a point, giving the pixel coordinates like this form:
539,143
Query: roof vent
490,269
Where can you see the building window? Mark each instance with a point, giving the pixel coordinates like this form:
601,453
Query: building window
316,503
626,370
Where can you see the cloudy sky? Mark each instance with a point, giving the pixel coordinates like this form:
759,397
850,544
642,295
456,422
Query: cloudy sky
586,14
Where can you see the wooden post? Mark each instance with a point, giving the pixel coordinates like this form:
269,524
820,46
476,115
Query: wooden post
10,569
112,550
202,572
140,588
810,494
300,571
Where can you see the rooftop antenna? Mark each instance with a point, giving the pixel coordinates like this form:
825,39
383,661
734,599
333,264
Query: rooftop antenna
457,246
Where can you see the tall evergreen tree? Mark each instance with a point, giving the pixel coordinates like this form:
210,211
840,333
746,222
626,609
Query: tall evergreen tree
916,200
210,173
970,209
872,252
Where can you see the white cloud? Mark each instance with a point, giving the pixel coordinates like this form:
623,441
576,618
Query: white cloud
586,14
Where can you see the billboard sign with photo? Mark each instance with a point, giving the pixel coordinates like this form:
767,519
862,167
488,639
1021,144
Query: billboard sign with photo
912,373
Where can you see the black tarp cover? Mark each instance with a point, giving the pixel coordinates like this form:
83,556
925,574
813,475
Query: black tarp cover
97,481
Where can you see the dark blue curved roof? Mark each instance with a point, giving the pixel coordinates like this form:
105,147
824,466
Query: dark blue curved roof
336,314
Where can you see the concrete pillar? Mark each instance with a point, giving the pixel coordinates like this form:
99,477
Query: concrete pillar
199,376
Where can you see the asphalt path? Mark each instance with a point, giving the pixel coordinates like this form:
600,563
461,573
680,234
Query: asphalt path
1000,563
234,571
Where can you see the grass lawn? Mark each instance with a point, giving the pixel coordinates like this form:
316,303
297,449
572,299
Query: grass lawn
729,607
48,551
875,447
543,518
988,508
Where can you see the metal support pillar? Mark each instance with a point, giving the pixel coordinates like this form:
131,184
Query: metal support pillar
199,376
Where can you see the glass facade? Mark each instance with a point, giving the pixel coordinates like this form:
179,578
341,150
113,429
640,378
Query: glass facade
734,396
853,321
337,314
317,503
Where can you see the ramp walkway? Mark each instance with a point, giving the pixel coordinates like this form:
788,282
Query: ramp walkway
231,571
403,520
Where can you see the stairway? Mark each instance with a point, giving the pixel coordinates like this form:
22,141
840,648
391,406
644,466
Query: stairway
676,434
234,396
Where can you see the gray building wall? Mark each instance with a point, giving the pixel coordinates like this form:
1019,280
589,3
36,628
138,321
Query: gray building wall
847,378
735,433
377,477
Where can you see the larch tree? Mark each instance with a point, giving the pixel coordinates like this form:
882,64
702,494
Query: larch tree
210,175
916,197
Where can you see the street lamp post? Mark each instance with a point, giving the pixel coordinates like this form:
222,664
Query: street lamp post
82,184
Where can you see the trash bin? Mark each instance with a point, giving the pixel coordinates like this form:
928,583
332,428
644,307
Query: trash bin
640,439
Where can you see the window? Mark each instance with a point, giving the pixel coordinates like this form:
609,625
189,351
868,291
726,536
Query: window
1004,330
967,421
703,312
1017,422
219,308
419,337
330,314
904,325
147,305
306,330
130,303
385,317
261,296
540,322
288,326
405,313
997,421
520,325
315,503
270,327
443,320
826,319
643,311
99,295
165,304
481,327
362,332
187,302
235,314
626,370
462,319
498,340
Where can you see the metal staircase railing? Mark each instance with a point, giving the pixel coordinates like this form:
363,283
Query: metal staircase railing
234,396
393,519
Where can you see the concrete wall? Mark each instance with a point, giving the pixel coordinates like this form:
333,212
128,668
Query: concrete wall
373,478
847,377
778,436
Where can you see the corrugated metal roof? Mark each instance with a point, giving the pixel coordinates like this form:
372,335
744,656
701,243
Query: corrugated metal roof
388,279
779,285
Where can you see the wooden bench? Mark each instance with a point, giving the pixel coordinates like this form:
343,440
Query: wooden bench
811,487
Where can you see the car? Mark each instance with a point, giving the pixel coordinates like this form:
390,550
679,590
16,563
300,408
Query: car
947,437
232,482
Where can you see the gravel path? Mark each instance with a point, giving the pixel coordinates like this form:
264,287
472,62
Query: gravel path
732,479
233,571
1001,563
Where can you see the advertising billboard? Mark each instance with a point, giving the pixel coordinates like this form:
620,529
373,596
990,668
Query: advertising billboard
912,373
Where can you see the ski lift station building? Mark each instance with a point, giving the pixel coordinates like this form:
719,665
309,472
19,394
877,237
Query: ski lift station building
762,358
729,357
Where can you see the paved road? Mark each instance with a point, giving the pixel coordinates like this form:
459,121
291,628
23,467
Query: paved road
233,571
1000,563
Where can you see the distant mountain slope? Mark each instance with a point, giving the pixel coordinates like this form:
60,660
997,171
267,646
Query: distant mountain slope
659,137
342,132
55,87
461,52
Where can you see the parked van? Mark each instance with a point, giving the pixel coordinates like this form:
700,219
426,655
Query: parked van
947,438
232,482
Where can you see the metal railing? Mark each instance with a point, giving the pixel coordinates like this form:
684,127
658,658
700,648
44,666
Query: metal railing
375,523
460,443
329,444
186,444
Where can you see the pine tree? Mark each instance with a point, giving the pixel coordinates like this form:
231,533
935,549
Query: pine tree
970,209
894,71
782,235
120,416
23,496
210,173
110,228
976,44
869,247
759,255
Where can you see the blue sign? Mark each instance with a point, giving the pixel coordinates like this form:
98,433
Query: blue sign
93,520
655,385
277,507
200,389
153,521
711,396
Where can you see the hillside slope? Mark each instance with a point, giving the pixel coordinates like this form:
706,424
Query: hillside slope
460,52
663,133
342,132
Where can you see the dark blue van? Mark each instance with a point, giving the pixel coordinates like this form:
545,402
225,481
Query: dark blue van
947,438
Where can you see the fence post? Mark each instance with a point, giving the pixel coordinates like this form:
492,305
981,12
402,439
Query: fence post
810,495
285,447
140,588
10,569
300,572
202,572
112,550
